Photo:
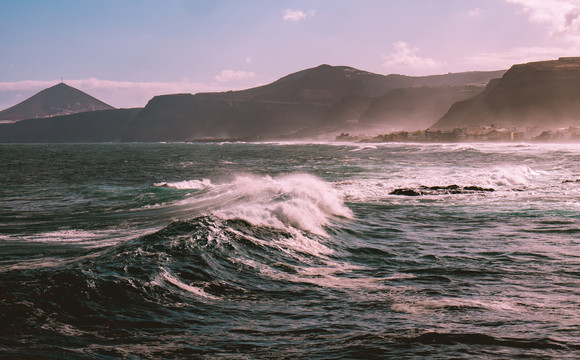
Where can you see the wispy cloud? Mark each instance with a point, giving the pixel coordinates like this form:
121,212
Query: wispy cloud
405,56
507,58
116,93
561,20
94,83
26,85
474,12
231,75
562,17
298,15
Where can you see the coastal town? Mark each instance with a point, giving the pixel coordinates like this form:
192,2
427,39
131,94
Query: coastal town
471,134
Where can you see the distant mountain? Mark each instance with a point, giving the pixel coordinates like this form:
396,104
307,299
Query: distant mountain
93,126
59,99
301,104
543,94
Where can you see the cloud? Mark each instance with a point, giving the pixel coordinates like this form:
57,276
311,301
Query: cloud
474,12
505,59
115,93
562,17
298,15
26,85
94,83
231,75
404,56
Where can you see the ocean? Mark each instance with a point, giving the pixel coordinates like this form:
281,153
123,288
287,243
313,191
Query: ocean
290,251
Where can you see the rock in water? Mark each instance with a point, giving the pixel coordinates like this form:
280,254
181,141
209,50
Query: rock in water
440,190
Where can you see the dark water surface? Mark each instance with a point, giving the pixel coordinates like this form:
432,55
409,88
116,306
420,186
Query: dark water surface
284,251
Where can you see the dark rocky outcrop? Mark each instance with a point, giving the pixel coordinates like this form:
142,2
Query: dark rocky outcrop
59,99
406,192
440,190
94,126
542,94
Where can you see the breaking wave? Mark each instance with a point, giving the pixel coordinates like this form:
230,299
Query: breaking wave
188,184
290,202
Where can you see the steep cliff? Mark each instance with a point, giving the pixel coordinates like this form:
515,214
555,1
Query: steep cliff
542,94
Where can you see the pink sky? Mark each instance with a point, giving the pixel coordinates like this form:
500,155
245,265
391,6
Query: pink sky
126,52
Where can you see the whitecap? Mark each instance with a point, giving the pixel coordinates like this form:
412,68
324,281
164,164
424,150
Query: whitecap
95,238
288,202
415,305
187,184
165,276
364,147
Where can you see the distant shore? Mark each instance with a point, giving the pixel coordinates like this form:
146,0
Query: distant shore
471,134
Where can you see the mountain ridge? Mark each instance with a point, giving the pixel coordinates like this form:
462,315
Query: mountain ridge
60,99
298,104
320,100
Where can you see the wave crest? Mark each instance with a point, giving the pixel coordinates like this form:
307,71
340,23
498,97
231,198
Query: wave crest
188,184
289,202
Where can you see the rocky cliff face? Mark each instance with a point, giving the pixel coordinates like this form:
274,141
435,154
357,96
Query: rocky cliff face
302,104
60,99
542,94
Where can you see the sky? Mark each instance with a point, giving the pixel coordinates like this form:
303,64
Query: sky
124,52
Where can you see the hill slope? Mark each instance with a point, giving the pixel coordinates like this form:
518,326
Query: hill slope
542,94
301,104
59,99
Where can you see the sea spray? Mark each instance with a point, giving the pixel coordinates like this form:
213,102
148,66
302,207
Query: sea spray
294,201
187,184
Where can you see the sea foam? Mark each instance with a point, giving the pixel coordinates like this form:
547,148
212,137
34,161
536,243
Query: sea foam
294,201
500,178
188,184
165,278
